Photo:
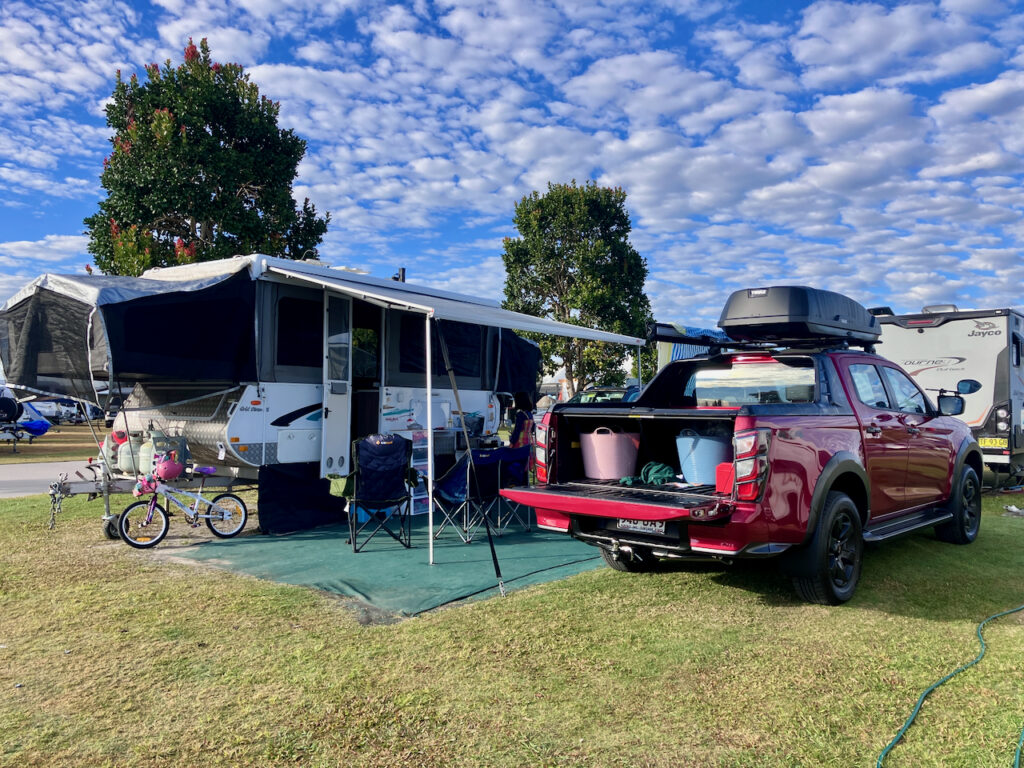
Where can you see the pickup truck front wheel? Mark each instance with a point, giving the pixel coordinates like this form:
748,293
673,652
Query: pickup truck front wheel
830,567
965,505
639,561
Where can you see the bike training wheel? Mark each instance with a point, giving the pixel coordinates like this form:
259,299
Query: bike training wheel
137,532
227,516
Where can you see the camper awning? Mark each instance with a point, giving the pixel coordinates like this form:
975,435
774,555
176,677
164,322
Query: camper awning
463,309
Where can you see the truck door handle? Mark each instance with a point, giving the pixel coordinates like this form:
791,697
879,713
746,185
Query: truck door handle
873,429
913,430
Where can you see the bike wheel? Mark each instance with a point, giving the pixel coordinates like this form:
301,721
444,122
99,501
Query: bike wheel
141,530
227,516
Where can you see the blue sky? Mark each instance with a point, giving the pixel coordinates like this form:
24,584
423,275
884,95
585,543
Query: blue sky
870,148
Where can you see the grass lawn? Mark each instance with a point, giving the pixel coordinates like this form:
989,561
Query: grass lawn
64,442
114,657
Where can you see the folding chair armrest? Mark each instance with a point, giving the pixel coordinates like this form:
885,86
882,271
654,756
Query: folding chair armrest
342,486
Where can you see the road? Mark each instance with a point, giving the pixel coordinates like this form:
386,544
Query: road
33,479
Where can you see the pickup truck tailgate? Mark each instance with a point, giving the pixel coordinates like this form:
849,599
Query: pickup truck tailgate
610,499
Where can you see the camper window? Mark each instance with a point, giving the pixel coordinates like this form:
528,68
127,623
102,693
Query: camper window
300,336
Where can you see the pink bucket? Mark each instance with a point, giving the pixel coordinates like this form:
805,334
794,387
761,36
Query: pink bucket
609,455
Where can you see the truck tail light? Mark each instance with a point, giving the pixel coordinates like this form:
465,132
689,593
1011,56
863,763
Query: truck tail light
542,446
750,462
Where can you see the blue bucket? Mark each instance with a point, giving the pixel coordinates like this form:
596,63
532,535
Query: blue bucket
700,455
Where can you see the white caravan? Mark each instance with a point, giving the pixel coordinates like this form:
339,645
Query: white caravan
258,361
943,344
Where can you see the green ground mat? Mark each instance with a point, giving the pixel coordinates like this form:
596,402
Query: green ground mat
392,578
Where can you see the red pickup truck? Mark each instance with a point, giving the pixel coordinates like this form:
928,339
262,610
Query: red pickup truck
821,446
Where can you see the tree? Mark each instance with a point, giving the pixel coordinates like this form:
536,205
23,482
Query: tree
573,262
199,171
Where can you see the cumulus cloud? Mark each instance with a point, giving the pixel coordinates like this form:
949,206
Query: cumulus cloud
864,146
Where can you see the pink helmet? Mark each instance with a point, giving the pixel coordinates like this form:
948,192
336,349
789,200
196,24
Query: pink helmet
168,467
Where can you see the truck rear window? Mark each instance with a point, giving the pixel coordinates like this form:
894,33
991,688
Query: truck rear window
761,382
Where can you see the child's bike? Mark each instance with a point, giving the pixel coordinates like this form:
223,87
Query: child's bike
144,524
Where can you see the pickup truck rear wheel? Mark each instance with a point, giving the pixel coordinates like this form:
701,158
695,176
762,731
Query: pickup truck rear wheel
831,568
965,504
639,561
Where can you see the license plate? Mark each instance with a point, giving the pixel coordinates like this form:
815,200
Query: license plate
992,442
642,526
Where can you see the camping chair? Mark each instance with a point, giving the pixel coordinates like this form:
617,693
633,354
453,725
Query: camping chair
513,470
466,493
381,499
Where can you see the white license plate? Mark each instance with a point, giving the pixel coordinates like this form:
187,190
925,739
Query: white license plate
641,526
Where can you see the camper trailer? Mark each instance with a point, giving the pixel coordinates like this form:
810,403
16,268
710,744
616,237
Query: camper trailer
942,343
256,361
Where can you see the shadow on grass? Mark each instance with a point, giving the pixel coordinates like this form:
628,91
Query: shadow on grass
916,576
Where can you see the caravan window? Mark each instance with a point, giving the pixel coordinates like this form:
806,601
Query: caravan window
300,332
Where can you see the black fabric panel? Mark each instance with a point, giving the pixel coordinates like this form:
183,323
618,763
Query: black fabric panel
44,344
519,370
187,335
293,497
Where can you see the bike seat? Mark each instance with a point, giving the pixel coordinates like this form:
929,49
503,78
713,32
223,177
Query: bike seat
204,470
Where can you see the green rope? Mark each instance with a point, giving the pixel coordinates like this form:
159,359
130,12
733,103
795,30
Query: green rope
957,671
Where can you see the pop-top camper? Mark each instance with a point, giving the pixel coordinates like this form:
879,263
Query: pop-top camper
942,343
255,361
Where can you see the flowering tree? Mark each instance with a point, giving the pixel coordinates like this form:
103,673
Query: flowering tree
199,171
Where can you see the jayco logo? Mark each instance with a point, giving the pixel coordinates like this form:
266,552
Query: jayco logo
985,328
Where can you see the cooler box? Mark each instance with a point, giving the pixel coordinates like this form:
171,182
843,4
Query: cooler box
609,455
700,455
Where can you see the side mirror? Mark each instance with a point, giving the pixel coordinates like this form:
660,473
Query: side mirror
967,386
951,405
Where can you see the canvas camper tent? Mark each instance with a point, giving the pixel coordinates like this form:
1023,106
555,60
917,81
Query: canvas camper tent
259,361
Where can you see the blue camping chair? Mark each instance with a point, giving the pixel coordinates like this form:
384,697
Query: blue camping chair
513,470
466,493
381,499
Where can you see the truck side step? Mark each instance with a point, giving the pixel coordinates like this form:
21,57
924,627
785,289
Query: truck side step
892,528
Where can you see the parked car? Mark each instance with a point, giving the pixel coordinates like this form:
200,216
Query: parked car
790,445
113,408
605,394
56,411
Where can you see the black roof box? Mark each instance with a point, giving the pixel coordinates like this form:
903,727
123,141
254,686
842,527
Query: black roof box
796,312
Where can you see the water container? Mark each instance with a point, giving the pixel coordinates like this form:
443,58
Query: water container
609,455
146,454
700,455
128,458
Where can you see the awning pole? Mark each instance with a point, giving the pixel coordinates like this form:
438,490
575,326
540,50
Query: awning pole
430,446
639,367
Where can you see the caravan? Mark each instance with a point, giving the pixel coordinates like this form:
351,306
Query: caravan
942,343
260,362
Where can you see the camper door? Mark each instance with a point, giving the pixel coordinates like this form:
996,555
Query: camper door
337,422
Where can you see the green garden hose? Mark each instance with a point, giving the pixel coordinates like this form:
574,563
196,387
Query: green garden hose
957,671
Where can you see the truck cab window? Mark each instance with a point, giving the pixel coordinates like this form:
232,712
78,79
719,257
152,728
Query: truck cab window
908,397
868,385
761,383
